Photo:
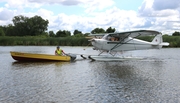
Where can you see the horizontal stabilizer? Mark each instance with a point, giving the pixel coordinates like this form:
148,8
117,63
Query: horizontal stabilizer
155,44
164,44
161,44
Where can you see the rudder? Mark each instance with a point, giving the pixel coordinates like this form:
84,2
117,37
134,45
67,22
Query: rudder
158,41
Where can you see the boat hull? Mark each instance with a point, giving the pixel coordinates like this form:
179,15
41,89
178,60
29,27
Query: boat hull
19,56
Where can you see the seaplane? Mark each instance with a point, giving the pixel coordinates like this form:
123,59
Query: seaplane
113,43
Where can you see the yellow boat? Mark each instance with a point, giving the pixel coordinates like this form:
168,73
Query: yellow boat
19,56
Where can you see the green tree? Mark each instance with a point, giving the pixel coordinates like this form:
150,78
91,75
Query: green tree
110,30
63,33
76,32
86,34
98,30
68,33
29,26
20,23
2,32
176,33
51,34
39,25
58,33
10,30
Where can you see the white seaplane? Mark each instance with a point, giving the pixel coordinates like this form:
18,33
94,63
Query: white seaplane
112,43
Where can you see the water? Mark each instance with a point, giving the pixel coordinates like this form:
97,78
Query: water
154,79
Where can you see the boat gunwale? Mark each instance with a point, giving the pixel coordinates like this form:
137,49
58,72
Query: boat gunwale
21,56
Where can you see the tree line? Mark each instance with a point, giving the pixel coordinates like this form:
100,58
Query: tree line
35,26
25,26
33,31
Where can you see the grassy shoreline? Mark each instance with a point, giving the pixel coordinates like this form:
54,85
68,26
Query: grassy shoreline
67,41
174,41
43,41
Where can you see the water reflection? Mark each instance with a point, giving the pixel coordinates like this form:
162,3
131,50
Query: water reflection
109,80
127,80
29,81
24,64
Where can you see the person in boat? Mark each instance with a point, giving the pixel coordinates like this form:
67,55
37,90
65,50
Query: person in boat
59,51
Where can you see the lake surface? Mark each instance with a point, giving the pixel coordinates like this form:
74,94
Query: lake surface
154,79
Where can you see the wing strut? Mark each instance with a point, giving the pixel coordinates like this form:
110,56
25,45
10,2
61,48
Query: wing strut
121,42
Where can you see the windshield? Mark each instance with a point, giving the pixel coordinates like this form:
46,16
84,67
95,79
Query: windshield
105,37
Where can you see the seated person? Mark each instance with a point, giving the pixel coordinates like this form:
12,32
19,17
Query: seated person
112,39
59,51
116,39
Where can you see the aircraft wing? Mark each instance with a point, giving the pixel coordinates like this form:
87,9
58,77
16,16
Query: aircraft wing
95,36
135,33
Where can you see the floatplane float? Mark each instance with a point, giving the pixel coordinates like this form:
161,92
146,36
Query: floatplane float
113,43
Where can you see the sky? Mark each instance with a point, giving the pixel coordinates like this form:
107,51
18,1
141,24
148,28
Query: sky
86,15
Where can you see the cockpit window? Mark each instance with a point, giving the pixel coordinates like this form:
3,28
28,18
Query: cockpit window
110,38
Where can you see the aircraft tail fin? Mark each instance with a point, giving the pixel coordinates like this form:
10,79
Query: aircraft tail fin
158,41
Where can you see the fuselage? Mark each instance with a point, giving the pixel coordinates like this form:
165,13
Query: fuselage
127,44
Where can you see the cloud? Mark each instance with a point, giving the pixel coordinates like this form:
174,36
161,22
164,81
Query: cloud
89,5
62,2
112,17
65,22
152,14
160,12
97,5
6,14
71,2
158,8
165,4
21,4
86,3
